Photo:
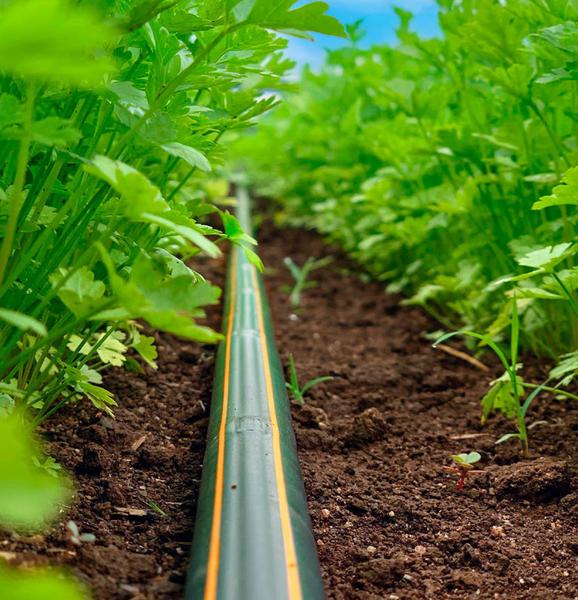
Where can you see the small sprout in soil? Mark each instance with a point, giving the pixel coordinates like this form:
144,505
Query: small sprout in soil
297,392
463,467
154,506
75,537
300,275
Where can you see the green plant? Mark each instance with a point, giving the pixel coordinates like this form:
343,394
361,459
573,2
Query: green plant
75,537
31,498
463,467
506,394
445,166
114,117
297,392
300,275
154,506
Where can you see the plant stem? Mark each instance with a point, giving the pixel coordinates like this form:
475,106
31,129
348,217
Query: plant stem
17,192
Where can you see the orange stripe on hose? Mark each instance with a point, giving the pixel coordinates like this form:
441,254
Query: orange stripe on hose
215,543
293,583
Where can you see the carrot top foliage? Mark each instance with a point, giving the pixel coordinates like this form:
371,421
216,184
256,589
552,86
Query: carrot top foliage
112,118
447,166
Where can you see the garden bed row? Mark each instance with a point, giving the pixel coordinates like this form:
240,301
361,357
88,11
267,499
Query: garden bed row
387,519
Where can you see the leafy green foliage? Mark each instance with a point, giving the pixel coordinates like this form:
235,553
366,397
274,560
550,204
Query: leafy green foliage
114,117
29,495
432,162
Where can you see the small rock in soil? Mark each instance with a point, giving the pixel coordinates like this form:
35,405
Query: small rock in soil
539,480
369,426
311,417
93,461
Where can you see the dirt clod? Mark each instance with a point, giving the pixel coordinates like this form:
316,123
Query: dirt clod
369,426
540,480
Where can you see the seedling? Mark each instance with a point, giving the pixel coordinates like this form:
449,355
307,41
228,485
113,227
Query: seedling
75,537
463,467
152,504
296,391
300,275
507,392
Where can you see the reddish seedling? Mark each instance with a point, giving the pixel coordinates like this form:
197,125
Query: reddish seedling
463,467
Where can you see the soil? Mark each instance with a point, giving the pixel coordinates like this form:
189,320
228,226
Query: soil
373,441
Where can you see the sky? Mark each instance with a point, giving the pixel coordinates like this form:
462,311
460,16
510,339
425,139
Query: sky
379,21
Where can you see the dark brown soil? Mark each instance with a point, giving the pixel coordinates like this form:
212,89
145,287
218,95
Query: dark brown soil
373,442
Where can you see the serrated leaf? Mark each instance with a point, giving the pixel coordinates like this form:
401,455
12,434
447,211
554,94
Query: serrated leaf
564,194
548,257
279,15
81,293
101,398
146,348
112,351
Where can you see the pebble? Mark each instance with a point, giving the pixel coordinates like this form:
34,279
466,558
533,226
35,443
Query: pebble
371,549
391,514
325,513
420,550
497,531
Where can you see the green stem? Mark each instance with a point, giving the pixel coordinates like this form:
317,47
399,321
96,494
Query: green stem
17,192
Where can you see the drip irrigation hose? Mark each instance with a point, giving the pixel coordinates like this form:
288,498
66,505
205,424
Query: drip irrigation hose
253,538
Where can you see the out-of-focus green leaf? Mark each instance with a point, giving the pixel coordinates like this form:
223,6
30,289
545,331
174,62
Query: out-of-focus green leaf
38,585
22,321
29,497
54,40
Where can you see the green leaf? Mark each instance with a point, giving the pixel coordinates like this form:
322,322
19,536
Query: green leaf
54,40
277,14
564,194
548,257
81,293
146,348
233,229
502,398
316,381
508,436
101,399
112,351
182,225
566,368
191,155
28,495
55,131
22,321
128,94
466,459
166,301
253,258
10,110
139,194
38,585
